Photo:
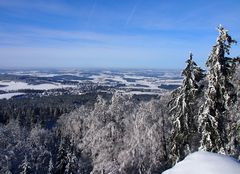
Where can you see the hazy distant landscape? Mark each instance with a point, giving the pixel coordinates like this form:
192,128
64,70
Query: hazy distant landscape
73,81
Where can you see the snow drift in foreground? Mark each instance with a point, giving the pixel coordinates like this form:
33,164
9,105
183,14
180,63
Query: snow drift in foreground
205,163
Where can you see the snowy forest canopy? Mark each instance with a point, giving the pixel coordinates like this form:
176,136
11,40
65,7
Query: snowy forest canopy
120,133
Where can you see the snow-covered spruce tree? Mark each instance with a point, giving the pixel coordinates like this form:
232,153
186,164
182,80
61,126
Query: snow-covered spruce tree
61,158
71,166
71,160
5,164
50,166
5,169
182,111
220,95
25,166
233,126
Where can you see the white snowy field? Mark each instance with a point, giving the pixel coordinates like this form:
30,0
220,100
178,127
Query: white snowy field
148,82
14,85
10,95
206,163
130,81
137,92
33,73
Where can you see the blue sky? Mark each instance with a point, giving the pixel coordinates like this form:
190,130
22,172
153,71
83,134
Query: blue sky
112,33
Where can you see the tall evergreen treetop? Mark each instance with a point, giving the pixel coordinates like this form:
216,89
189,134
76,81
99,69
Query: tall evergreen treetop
183,123
25,166
50,166
219,96
192,74
221,67
61,161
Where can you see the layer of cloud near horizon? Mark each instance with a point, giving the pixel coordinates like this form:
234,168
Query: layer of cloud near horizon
111,33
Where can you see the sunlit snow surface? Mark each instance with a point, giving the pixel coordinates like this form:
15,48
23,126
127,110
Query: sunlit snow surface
206,163
126,81
13,85
10,95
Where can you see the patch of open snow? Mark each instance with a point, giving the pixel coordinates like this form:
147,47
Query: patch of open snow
206,163
152,83
10,95
135,77
98,78
101,78
141,93
43,74
13,86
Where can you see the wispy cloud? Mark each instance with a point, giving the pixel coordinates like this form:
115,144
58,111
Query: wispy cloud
27,35
90,56
175,16
22,7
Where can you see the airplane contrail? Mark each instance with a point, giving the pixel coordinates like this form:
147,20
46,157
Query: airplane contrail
132,13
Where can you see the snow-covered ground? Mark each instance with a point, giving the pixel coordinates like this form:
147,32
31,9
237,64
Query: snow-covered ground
137,92
136,81
14,85
206,163
10,95
33,73
148,82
